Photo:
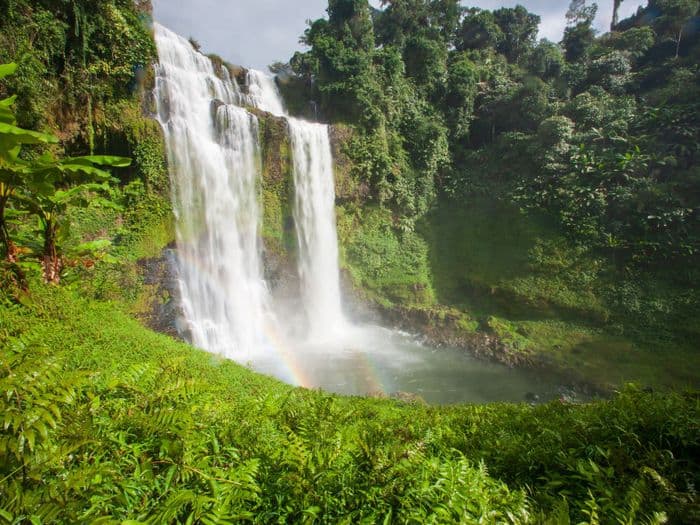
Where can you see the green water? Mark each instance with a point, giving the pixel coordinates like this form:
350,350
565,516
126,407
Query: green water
370,360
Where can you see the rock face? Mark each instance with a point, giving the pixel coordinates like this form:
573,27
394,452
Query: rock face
162,304
278,229
347,187
441,328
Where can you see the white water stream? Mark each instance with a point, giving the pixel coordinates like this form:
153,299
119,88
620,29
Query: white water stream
314,213
314,216
213,153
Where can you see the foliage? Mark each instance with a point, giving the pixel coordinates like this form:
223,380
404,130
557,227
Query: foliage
44,186
392,267
519,31
73,55
428,85
464,81
80,66
673,18
116,423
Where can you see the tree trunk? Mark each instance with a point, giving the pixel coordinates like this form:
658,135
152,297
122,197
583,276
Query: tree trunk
16,274
615,18
10,249
51,262
678,42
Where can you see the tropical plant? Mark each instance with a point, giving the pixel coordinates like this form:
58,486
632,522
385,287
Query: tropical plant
45,186
12,167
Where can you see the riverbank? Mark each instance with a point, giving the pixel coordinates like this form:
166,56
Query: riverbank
508,287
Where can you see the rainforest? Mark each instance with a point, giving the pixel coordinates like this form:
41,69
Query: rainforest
427,268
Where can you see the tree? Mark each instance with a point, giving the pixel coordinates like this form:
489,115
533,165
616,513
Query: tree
674,17
460,96
352,21
579,34
45,186
611,71
635,41
615,17
403,19
546,60
580,13
51,186
447,14
12,138
519,29
340,59
426,62
479,30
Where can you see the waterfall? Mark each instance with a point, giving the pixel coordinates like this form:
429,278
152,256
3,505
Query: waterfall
314,216
263,93
213,151
212,147
314,211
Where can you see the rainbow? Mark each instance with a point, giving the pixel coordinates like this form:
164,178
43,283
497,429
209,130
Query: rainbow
291,370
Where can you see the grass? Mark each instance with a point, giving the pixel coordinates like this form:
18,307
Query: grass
391,268
154,431
516,277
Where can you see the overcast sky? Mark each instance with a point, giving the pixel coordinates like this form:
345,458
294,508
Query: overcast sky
256,33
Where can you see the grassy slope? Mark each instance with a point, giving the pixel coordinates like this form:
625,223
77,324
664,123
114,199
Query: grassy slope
168,431
515,276
529,285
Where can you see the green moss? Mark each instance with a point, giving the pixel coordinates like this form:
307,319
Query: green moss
391,266
508,334
466,323
489,257
561,304
277,187
607,360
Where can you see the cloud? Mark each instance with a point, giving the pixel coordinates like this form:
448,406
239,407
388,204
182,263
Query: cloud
253,33
256,33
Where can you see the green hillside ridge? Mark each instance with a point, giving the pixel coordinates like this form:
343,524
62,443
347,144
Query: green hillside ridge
106,421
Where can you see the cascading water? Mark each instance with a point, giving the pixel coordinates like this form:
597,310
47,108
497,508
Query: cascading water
314,215
212,149
314,212
263,93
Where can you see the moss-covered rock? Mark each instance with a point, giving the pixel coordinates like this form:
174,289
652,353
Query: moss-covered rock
277,192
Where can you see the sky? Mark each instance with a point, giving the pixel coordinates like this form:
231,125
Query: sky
256,33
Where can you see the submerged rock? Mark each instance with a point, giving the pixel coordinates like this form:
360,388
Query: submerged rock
531,397
408,397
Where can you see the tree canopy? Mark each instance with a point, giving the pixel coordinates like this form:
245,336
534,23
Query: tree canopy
605,121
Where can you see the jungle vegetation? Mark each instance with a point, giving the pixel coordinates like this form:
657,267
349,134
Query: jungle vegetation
475,153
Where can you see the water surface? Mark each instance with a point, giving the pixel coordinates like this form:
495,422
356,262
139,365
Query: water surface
370,360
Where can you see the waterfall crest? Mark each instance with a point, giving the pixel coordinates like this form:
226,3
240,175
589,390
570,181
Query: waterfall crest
212,147
263,93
